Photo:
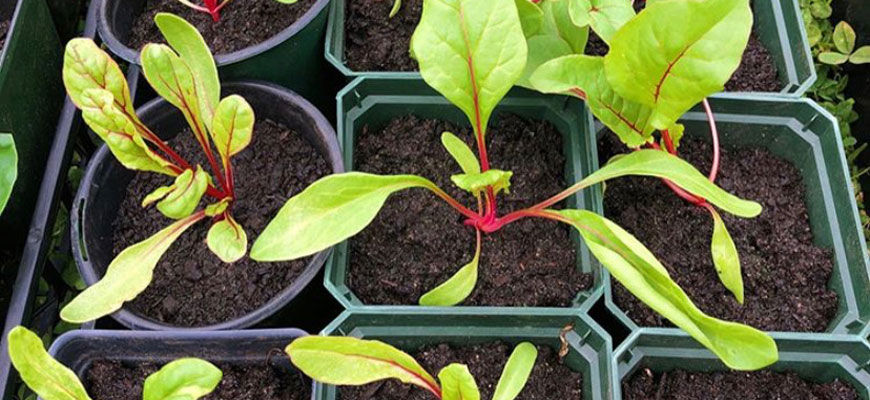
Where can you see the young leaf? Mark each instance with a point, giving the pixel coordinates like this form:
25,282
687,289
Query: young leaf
472,52
213,210
127,276
187,191
397,5
605,17
861,56
457,383
456,289
8,168
833,58
330,210
844,37
531,17
476,183
725,257
86,66
676,132
352,361
232,126
516,372
557,37
673,66
542,48
227,239
183,379
39,371
461,152
739,346
157,194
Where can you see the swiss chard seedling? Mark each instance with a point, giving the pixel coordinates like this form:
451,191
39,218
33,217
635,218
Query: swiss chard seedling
188,80
186,378
350,361
473,52
214,7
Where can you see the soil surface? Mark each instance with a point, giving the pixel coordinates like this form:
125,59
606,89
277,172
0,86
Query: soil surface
418,241
242,24
761,385
191,286
375,42
785,275
113,380
4,29
550,379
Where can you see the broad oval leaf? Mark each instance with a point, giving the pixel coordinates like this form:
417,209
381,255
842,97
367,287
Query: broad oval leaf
457,383
86,66
472,52
605,17
861,56
461,152
725,257
127,276
833,58
186,193
182,379
352,361
8,168
844,37
673,66
227,239
557,22
475,183
739,346
329,211
232,126
531,17
516,372
40,372
542,48
456,289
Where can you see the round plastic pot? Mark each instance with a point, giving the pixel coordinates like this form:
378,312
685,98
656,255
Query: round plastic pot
589,346
105,182
814,357
778,24
79,349
802,133
375,101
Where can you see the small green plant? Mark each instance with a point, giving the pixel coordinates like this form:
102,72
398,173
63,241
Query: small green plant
213,7
351,361
8,168
183,379
188,80
844,42
397,5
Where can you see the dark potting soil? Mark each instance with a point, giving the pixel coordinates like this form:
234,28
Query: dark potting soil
417,241
4,29
760,385
550,379
191,286
785,275
113,380
374,41
243,23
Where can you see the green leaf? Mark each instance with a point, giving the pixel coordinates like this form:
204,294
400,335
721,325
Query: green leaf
352,361
673,66
531,17
186,194
228,240
287,1
861,56
739,346
329,211
156,195
39,371
183,379
397,5
8,168
821,9
844,37
461,152
472,52
725,257
86,66
232,127
557,22
215,209
457,383
676,132
832,58
542,48
456,289
516,372
127,276
476,183
605,17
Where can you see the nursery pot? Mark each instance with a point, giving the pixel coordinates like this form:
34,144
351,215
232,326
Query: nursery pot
589,346
105,180
78,350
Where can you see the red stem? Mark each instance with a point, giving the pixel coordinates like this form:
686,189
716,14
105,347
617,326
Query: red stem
230,179
669,143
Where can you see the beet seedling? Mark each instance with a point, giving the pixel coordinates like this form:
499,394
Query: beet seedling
189,81
213,7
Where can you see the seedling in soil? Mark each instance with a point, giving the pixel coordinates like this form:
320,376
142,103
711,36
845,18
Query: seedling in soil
844,48
350,361
8,168
188,80
213,7
397,5
473,52
186,378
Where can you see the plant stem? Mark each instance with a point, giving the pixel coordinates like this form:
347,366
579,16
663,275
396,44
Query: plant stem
714,169
669,143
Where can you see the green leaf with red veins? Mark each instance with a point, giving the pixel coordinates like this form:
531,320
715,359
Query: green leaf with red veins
227,239
43,374
472,52
725,257
8,168
476,183
182,379
457,383
456,289
86,66
531,17
127,276
188,189
232,126
673,66
605,17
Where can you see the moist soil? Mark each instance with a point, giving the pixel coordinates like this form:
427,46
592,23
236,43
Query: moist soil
417,241
191,286
785,275
114,380
760,385
374,41
550,379
242,24
4,29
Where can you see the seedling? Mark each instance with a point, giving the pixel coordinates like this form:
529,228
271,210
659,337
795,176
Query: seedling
397,5
8,168
188,80
186,378
473,52
352,361
213,8
844,48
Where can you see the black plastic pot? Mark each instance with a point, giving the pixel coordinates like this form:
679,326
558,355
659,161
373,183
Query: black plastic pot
103,186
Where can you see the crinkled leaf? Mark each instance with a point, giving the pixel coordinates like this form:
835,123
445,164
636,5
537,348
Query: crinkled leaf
739,346
461,152
8,168
127,276
187,191
218,208
86,66
472,52
156,195
844,37
476,183
329,211
40,372
531,17
725,257
456,289
861,56
182,379
232,127
605,17
516,372
673,66
833,58
457,383
352,361
227,240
